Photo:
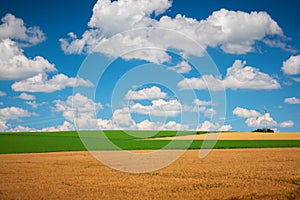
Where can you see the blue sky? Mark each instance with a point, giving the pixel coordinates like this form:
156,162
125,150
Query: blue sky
127,64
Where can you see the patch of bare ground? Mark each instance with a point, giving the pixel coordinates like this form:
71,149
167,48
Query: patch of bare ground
223,174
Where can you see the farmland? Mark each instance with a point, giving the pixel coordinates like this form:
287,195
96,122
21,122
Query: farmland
241,166
129,140
223,174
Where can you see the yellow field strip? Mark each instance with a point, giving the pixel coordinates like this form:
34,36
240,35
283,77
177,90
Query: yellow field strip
237,136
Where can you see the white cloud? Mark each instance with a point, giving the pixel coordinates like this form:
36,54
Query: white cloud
292,65
15,29
171,125
256,119
105,124
146,93
261,121
199,102
121,119
210,112
14,65
296,79
3,125
118,16
158,107
280,44
238,76
11,113
182,68
287,124
26,96
235,32
292,100
34,104
66,126
41,83
1,103
245,113
2,94
79,108
20,128
210,126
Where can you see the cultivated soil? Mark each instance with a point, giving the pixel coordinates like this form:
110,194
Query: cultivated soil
223,174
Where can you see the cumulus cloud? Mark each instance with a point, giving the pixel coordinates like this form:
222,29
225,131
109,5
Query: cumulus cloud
296,79
171,125
199,102
261,121
182,68
15,29
26,96
292,100
159,107
12,113
287,124
84,110
256,119
79,108
14,65
41,83
292,65
9,113
146,94
20,128
210,126
238,76
66,126
2,94
34,104
122,119
3,125
14,35
245,113
235,32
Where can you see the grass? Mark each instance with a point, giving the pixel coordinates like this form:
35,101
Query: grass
70,141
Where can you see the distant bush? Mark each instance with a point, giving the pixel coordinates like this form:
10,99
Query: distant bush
264,130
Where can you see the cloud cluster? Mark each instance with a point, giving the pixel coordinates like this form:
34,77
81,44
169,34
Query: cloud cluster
26,96
146,93
15,29
235,32
12,113
238,76
292,100
14,65
292,65
83,111
79,108
256,119
2,94
245,113
182,68
41,83
30,74
210,126
158,107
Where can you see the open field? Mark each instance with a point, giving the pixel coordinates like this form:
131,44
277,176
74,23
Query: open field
223,174
238,136
135,140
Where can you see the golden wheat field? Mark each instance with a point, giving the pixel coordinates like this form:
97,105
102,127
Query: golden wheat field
238,136
223,174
